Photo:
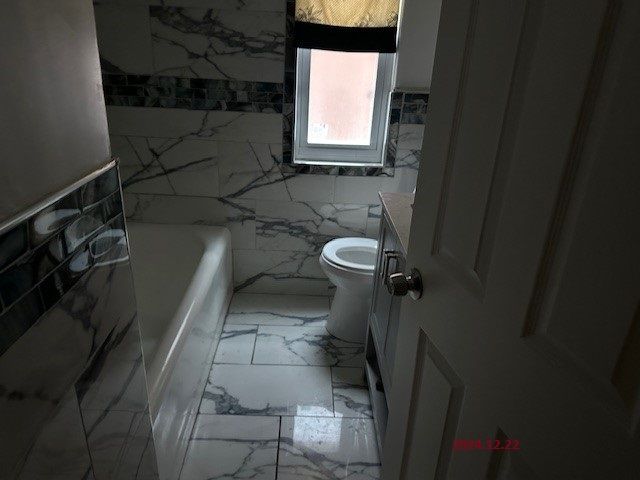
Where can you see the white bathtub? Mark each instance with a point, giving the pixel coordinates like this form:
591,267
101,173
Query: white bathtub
183,281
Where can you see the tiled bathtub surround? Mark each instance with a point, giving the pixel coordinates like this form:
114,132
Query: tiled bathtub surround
224,168
77,405
220,154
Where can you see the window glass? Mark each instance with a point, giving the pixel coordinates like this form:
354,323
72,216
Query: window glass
342,88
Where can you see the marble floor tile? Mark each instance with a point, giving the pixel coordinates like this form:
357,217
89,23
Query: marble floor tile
328,448
268,309
236,344
277,345
268,390
350,393
232,447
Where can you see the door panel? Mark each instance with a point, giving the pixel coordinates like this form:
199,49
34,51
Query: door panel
475,134
525,231
508,465
568,318
438,389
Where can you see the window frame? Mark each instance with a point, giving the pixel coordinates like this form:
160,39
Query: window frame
330,154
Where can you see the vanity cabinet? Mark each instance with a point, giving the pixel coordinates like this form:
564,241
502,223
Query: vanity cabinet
384,314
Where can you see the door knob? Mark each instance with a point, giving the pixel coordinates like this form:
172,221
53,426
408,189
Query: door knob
400,284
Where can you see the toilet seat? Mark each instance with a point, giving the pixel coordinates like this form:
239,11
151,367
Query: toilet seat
352,253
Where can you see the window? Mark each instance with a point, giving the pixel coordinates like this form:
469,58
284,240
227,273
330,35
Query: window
341,106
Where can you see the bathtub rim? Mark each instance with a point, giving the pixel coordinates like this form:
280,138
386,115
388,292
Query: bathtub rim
160,368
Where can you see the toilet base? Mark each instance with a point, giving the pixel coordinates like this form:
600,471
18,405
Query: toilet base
348,317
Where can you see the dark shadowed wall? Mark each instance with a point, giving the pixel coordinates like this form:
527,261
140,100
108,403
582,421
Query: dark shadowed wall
73,396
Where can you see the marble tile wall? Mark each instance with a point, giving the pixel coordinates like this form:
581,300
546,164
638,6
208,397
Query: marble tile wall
200,114
73,399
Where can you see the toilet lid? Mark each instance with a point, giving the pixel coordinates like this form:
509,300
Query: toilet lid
354,253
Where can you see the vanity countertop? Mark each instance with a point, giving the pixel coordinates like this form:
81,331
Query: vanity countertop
398,208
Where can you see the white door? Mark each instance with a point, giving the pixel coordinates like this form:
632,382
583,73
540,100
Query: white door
526,230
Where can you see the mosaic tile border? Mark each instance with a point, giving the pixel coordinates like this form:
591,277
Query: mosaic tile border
348,171
209,94
288,109
408,108
43,257
192,93
405,108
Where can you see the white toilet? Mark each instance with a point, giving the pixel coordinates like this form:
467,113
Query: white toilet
349,263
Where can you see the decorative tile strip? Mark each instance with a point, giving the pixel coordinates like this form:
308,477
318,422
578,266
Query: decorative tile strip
47,254
351,171
192,93
405,108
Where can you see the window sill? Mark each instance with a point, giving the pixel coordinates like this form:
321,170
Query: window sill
344,169
328,163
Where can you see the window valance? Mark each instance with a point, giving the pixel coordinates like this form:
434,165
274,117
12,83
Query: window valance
347,25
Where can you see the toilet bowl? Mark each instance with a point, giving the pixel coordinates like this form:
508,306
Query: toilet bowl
349,264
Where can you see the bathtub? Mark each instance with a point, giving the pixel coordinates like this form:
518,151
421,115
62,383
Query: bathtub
183,283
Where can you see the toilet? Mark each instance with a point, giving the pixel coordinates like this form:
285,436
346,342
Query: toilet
349,263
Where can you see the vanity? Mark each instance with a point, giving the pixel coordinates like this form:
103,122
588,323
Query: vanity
384,314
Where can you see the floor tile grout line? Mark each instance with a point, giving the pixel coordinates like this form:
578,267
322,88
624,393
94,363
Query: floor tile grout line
280,417
255,342
288,365
285,294
283,325
295,415
333,396
278,449
220,341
